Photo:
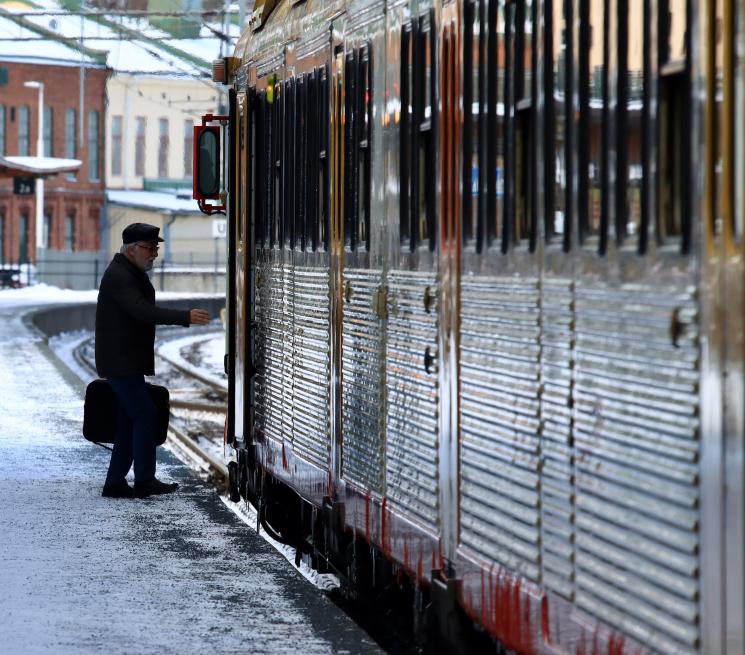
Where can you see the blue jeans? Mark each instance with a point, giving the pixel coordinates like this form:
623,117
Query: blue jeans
135,432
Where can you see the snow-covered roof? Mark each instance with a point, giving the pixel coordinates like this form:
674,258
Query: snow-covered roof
48,52
37,166
154,200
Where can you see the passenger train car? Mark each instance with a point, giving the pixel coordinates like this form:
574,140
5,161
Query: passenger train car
486,307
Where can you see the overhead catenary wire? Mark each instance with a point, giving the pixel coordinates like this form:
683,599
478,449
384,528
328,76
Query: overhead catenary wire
181,61
103,38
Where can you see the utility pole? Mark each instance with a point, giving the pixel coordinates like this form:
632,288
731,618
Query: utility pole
40,245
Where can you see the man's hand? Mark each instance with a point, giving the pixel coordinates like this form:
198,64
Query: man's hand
198,317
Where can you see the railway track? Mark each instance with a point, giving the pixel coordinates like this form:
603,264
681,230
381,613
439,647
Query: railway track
210,401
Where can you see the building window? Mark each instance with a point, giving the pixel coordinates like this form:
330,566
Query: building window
93,172
48,132
23,239
163,148
116,145
70,233
70,148
2,129
23,135
47,231
140,145
188,146
2,239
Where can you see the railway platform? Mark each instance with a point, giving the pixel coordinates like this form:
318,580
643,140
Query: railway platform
169,574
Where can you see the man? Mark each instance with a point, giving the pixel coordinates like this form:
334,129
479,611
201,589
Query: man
126,316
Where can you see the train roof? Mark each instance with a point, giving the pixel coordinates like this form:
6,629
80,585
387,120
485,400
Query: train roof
289,22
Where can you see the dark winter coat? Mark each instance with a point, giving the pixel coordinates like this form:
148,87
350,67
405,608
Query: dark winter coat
126,317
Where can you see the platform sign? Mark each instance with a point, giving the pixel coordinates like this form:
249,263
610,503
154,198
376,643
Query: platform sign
24,186
219,228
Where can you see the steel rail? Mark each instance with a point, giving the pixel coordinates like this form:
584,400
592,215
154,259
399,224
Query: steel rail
197,406
187,442
177,435
223,389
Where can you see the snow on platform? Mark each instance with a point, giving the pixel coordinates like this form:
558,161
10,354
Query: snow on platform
169,574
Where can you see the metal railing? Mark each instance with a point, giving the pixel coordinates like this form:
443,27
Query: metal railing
83,270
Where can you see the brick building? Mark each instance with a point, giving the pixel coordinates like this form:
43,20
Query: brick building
72,130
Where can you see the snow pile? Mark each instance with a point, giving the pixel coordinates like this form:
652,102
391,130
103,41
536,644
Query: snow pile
42,294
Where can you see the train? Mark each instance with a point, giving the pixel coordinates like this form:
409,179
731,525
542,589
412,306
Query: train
485,308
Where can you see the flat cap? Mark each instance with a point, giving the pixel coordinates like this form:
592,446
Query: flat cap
140,232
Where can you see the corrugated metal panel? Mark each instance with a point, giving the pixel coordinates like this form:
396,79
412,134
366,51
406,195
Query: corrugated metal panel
412,411
286,319
309,366
274,329
362,454
268,355
557,498
637,453
499,362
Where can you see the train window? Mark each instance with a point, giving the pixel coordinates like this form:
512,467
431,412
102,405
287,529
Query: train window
474,135
521,25
426,139
673,120
719,118
311,118
470,124
236,107
524,19
593,135
365,147
408,36
288,162
673,30
357,122
350,150
559,89
629,120
300,166
278,232
252,163
495,54
262,166
323,169
240,164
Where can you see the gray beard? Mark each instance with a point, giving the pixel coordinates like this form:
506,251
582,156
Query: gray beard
148,267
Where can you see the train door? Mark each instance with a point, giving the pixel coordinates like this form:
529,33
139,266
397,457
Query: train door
449,238
307,160
727,192
413,287
635,432
362,307
274,334
499,348
559,238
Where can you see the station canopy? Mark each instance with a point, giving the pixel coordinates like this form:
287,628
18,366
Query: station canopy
17,166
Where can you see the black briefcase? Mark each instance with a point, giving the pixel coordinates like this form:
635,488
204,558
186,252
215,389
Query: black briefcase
101,408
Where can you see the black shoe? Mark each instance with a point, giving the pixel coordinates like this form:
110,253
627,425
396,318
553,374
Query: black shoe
117,490
154,487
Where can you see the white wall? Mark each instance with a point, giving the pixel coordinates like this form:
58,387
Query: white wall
154,98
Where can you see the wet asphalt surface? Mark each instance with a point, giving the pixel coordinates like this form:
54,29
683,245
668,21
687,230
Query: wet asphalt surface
171,574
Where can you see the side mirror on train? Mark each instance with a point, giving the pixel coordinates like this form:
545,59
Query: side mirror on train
207,164
207,178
